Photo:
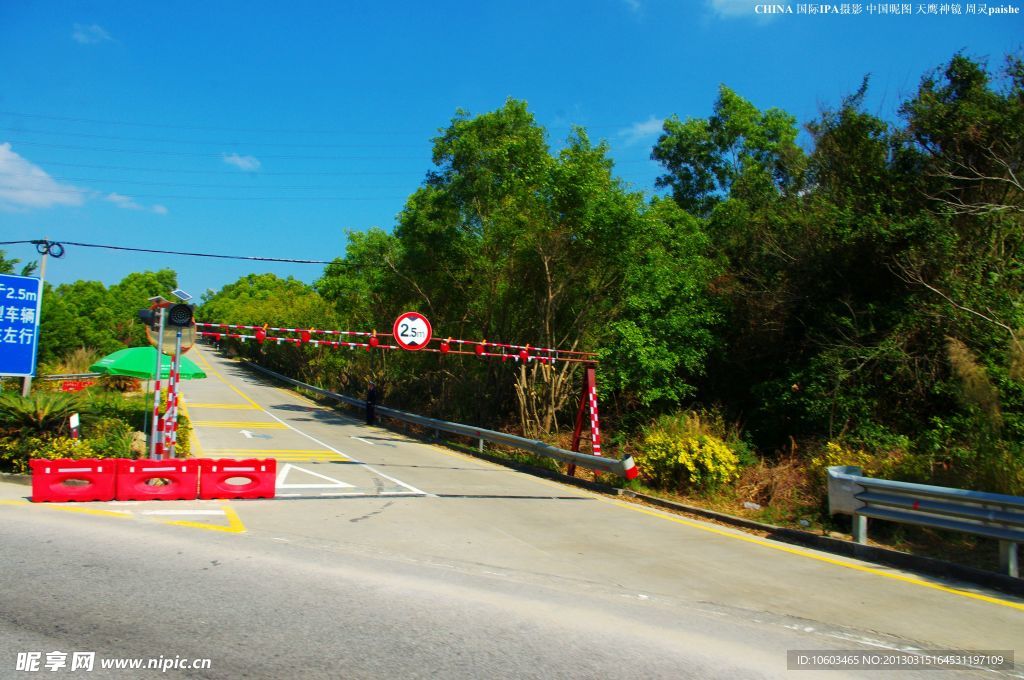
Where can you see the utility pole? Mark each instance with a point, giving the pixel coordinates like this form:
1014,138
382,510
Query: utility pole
26,385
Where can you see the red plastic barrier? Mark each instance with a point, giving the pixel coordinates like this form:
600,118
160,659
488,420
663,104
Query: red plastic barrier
133,477
50,477
215,473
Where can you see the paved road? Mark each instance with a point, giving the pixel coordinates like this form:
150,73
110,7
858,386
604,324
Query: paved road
388,557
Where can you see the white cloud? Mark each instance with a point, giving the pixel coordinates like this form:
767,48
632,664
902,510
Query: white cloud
122,201
129,203
733,9
247,163
24,185
644,130
90,35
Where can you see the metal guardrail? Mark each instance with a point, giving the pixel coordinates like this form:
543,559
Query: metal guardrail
69,376
623,467
991,515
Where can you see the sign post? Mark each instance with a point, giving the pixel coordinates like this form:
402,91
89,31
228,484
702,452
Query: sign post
20,303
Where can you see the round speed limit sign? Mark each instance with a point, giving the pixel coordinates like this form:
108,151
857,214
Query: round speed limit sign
412,331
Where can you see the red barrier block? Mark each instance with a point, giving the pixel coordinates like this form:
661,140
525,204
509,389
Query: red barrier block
215,473
64,480
134,477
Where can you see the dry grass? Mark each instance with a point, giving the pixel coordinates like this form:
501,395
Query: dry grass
77,361
783,486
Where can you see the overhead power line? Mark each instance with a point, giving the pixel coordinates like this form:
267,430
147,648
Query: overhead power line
233,173
204,185
91,192
57,246
215,142
218,156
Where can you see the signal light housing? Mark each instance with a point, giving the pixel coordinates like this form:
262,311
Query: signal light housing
179,315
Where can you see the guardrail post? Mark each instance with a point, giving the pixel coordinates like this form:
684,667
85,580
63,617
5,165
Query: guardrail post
480,445
1008,558
860,529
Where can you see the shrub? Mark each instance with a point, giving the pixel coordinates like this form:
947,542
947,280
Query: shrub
39,413
110,438
678,453
15,453
120,383
894,463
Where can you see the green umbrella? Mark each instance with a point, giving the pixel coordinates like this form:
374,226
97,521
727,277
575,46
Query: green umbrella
139,362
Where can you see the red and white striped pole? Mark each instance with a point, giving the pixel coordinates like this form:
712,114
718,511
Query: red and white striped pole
171,427
595,432
156,443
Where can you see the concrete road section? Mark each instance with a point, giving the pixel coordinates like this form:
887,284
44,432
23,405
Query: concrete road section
384,556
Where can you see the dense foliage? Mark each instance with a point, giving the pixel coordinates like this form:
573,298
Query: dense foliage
855,294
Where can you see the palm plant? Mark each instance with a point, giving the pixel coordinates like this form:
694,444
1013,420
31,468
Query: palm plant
39,413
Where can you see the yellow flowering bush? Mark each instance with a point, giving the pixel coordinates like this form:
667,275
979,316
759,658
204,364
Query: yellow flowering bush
677,462
16,453
884,466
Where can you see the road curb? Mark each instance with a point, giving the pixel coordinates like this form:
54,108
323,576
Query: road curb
16,478
868,553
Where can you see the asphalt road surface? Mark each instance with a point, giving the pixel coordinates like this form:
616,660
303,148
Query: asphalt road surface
387,557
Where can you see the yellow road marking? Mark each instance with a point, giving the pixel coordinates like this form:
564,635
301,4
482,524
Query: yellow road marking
820,558
299,397
197,447
209,369
234,526
281,454
66,508
237,407
239,424
295,458
323,451
769,544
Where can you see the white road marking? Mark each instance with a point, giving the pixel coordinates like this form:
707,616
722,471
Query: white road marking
358,462
334,483
363,440
313,439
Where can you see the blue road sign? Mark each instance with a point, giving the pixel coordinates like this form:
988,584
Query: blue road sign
20,300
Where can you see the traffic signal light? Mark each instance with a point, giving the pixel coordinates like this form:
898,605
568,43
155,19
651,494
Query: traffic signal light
151,318
179,315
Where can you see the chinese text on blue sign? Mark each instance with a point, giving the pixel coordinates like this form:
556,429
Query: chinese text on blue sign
20,297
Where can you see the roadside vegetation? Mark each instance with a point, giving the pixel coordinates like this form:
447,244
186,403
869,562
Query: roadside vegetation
848,291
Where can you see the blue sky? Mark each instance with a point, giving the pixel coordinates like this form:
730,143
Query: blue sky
269,128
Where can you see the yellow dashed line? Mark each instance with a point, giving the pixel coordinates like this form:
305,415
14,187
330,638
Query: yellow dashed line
197,447
282,454
269,451
239,424
235,407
